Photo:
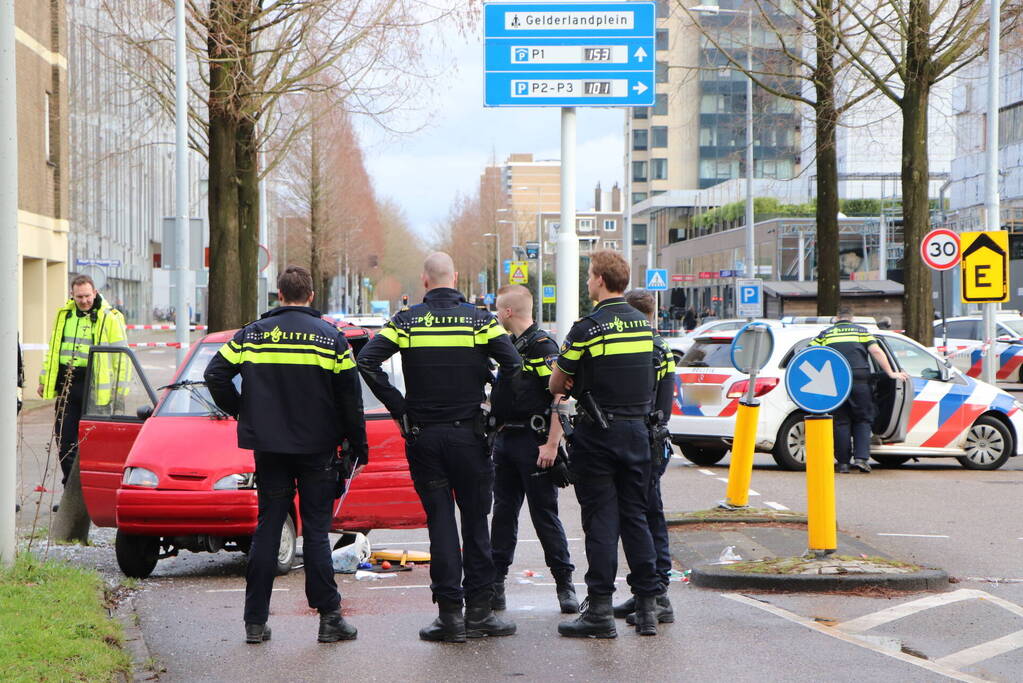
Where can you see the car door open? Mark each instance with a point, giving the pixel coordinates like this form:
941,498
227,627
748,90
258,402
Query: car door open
118,399
894,399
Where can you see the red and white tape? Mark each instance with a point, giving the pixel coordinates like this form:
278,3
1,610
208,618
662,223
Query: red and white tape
134,345
164,327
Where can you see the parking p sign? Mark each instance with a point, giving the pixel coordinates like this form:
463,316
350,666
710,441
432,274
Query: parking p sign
749,298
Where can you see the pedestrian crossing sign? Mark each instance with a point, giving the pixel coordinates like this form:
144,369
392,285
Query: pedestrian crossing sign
519,273
657,279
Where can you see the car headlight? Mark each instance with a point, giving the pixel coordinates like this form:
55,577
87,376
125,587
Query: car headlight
233,482
140,476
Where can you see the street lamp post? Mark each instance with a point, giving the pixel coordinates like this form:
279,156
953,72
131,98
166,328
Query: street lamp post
751,267
497,260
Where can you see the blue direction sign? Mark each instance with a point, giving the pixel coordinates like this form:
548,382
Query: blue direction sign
818,379
657,279
488,299
569,54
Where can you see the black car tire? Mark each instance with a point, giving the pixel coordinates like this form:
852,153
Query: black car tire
288,548
988,444
703,456
790,445
136,555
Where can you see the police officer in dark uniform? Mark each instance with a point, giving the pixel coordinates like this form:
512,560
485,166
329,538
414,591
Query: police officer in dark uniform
607,363
445,343
526,451
856,415
660,454
301,399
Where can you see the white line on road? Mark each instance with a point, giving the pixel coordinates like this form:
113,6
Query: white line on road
991,579
776,506
875,619
830,631
724,479
978,653
707,472
916,535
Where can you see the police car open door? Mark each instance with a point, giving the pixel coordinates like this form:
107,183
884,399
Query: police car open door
893,398
118,399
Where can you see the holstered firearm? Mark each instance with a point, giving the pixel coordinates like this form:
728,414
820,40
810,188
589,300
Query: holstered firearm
588,404
344,463
566,425
660,437
485,426
408,431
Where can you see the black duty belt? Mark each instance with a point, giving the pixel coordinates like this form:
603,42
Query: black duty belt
465,422
612,417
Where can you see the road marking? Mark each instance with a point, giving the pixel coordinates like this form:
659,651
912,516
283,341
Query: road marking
991,579
707,472
240,590
916,535
776,506
724,479
979,653
882,617
845,637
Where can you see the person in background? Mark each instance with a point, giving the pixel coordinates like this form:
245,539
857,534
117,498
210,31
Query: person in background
689,320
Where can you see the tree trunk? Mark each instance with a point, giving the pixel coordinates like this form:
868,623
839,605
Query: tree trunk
828,292
315,208
247,161
71,523
917,304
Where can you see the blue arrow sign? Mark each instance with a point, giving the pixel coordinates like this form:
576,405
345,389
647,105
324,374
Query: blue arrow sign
569,54
818,379
657,279
564,89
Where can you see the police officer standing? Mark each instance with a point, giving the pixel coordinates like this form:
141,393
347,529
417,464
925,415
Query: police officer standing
607,363
660,454
300,399
445,343
526,450
855,343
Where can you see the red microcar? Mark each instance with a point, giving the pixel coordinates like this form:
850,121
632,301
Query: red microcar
169,475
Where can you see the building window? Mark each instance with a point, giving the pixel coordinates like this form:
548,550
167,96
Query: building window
1010,124
610,225
661,104
638,233
613,244
637,197
658,169
639,138
662,72
663,8
659,136
585,246
662,39
48,147
585,225
640,112
639,171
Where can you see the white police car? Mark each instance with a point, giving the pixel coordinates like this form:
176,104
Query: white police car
944,413
679,345
965,336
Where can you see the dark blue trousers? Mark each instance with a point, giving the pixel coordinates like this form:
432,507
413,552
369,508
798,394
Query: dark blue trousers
277,475
446,458
612,479
515,454
852,425
657,524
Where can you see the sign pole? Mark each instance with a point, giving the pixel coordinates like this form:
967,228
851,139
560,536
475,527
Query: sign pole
9,296
944,325
740,467
991,199
568,240
181,297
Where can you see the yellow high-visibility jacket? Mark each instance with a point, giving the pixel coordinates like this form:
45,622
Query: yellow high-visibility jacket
108,330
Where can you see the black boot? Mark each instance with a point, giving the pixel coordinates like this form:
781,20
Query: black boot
596,621
449,626
665,613
624,609
646,617
256,633
333,628
498,602
481,621
566,593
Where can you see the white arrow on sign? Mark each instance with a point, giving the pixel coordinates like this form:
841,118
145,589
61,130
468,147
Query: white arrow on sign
822,382
640,54
640,88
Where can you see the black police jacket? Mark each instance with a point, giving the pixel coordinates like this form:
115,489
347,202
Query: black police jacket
444,343
664,375
300,389
528,394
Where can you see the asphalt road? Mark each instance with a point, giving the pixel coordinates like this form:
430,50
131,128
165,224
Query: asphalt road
933,513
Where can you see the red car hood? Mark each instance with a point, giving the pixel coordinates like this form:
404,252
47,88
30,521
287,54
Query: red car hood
210,452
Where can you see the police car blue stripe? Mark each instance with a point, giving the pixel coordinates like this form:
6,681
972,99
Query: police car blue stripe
950,403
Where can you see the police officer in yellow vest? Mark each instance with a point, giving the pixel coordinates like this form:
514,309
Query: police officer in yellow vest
86,320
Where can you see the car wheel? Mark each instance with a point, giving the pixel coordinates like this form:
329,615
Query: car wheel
348,537
988,445
288,547
890,460
136,555
790,446
703,456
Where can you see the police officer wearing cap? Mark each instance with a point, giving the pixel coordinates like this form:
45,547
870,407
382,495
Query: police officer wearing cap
300,400
660,454
445,343
855,417
607,363
526,451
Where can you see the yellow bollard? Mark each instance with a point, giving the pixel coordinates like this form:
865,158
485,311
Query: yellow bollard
740,469
820,484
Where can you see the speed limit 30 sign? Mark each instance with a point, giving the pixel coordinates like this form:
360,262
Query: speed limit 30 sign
940,249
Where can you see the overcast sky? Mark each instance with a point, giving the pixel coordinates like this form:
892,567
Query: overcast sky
425,171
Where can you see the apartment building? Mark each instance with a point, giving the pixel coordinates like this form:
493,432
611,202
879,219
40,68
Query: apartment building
43,211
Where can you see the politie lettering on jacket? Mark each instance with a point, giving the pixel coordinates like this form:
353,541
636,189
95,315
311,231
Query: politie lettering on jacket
616,324
277,335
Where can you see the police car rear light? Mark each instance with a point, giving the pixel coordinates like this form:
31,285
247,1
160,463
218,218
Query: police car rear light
763,385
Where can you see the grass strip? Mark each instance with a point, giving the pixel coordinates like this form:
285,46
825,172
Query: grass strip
54,624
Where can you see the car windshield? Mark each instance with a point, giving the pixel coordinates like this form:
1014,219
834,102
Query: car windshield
1014,324
708,353
189,395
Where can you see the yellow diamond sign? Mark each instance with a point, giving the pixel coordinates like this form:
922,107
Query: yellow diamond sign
985,266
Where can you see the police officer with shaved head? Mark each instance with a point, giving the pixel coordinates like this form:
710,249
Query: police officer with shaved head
445,345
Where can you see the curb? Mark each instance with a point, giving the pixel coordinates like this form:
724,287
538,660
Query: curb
680,520
709,576
134,641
